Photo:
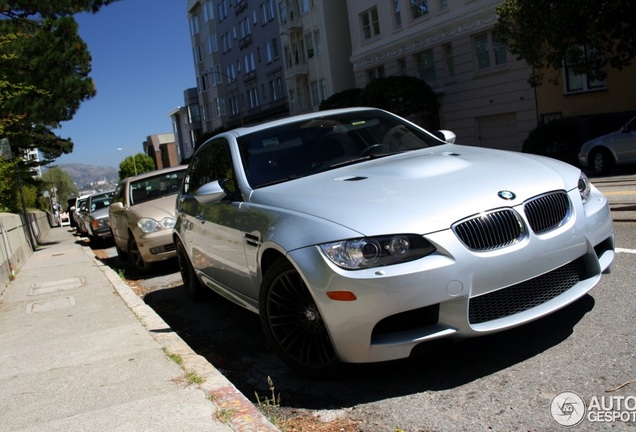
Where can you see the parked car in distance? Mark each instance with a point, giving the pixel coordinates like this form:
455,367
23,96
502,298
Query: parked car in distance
604,153
357,235
142,216
95,216
80,207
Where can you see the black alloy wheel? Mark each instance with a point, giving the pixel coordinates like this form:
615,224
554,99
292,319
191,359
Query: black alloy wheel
292,322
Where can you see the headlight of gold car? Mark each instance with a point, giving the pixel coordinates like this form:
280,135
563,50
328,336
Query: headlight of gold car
368,252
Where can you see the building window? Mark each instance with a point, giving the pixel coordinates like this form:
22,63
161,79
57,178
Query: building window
443,4
309,44
448,60
574,82
195,24
375,73
208,11
370,23
401,66
489,51
282,11
419,8
304,6
397,15
425,64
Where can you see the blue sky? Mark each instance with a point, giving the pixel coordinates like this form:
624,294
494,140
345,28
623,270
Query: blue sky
142,63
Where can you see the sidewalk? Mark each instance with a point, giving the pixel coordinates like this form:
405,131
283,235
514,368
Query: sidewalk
80,351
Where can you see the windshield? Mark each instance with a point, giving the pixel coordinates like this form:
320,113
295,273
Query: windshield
299,149
155,187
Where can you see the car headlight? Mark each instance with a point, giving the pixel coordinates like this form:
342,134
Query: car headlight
585,188
148,225
168,222
97,223
368,252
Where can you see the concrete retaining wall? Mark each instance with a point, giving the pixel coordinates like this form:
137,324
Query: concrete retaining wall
17,241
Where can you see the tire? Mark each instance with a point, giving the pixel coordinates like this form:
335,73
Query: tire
123,255
135,256
191,283
292,323
601,161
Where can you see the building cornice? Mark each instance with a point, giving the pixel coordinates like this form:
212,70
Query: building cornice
469,22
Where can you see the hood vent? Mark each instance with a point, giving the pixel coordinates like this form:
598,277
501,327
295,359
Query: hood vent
352,178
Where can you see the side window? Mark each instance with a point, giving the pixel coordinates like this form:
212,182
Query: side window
212,162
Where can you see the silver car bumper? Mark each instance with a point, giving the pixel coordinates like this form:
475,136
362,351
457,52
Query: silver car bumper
457,291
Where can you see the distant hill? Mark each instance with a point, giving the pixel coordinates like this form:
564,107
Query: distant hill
85,175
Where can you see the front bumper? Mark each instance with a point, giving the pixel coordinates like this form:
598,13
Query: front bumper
452,292
157,246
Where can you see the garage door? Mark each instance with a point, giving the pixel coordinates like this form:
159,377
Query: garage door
499,132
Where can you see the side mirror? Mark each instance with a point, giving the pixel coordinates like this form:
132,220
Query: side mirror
210,193
446,136
116,206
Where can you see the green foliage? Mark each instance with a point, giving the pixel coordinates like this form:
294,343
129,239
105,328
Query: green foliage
59,179
559,139
343,99
403,95
544,32
137,164
44,71
10,189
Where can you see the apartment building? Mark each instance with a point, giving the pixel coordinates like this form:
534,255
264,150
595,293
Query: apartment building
162,149
317,48
238,62
451,44
186,124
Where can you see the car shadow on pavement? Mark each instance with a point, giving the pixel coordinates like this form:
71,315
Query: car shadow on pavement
230,338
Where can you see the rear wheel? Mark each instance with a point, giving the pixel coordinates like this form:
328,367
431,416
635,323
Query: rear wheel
292,322
191,283
601,161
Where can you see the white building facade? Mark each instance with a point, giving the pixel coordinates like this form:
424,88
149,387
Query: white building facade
452,45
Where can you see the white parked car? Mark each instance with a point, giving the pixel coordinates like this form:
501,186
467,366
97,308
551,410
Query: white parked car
357,235
614,149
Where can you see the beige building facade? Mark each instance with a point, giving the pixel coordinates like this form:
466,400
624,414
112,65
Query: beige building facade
451,44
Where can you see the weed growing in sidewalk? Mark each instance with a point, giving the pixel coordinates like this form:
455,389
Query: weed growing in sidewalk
270,406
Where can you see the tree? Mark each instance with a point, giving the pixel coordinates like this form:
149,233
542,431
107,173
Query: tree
44,71
59,179
139,163
592,36
405,96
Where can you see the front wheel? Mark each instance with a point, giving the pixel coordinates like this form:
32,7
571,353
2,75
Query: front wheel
135,256
292,322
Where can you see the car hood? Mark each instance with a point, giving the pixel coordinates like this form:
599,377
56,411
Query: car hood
156,209
100,213
421,191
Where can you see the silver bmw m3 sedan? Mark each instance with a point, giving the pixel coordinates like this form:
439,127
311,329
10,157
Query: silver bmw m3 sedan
357,235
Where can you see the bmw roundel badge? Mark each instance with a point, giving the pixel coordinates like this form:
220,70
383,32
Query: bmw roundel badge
507,195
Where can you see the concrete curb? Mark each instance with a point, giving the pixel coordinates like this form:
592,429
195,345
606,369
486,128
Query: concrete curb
242,414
